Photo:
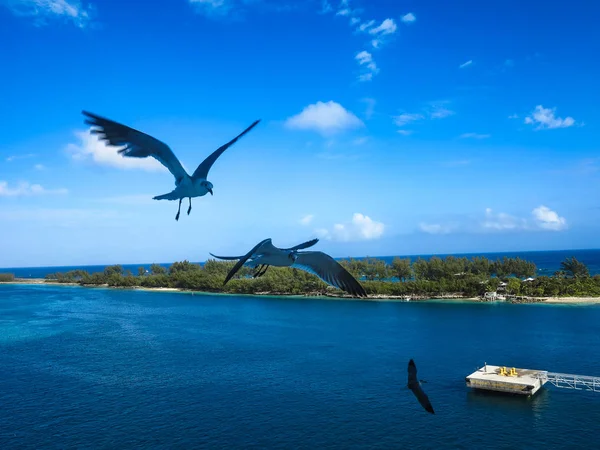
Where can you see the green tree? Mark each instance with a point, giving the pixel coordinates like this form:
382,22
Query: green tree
116,269
157,269
574,268
401,268
141,271
513,285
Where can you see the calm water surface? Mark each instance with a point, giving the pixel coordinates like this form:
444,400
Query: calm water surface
101,368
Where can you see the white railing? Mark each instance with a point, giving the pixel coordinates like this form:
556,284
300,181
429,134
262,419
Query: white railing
569,381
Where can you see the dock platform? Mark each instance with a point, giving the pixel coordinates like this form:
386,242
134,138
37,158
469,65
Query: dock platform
507,379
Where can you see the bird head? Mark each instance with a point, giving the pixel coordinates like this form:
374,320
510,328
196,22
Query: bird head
208,186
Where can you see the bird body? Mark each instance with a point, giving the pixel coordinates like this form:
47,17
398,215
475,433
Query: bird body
141,145
415,386
265,254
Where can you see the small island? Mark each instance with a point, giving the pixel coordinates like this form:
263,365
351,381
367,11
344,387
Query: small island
480,279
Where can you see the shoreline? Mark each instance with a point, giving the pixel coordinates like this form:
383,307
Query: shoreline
331,296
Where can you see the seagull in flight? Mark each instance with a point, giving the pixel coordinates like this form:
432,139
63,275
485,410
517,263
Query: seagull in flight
415,386
265,254
141,145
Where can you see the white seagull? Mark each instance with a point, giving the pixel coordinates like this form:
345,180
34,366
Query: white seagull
265,254
415,386
141,145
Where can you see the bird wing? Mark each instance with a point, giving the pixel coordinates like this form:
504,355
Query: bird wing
202,170
302,246
416,388
330,271
227,258
137,144
242,260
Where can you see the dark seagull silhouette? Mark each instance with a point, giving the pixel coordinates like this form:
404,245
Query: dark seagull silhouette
265,254
141,145
415,386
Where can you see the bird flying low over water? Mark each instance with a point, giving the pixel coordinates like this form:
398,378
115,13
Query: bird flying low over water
415,386
142,145
265,254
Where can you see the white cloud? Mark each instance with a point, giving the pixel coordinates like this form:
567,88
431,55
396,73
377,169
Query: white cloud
408,18
474,136
90,148
25,189
42,10
502,221
388,26
405,132
405,118
15,157
513,116
436,228
343,12
545,119
360,228
354,21
39,167
326,118
542,218
370,107
366,25
325,7
548,219
306,220
466,64
439,112
63,217
212,7
365,60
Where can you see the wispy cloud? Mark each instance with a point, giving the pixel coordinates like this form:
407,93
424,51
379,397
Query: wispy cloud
91,149
39,167
360,228
365,59
62,217
474,136
44,10
545,119
513,116
406,118
327,118
370,107
541,218
388,26
15,157
434,110
464,65
25,189
307,219
405,132
408,18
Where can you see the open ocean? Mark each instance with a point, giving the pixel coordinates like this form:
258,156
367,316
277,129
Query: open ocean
547,262
109,368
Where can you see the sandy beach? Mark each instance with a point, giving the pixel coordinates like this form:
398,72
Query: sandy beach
401,298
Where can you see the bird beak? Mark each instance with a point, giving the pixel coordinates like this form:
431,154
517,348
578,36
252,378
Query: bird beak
210,190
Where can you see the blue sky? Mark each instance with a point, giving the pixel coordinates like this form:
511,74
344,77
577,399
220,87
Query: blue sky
387,128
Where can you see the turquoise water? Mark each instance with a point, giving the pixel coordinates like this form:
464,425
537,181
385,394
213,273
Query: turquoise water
547,262
103,368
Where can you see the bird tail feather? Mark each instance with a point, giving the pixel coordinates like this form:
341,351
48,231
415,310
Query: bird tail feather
170,196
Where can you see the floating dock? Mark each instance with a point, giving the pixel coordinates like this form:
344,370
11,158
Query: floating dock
507,379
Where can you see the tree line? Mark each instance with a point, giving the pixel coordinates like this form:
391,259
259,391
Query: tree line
402,277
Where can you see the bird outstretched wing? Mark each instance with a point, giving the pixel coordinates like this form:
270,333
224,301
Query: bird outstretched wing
415,387
302,246
242,260
137,144
330,271
202,170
